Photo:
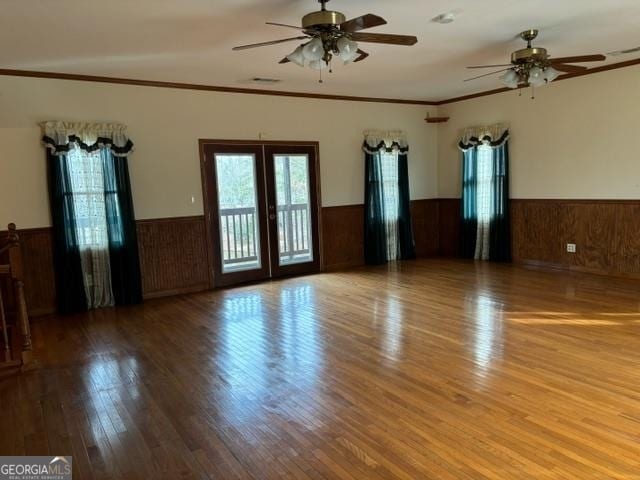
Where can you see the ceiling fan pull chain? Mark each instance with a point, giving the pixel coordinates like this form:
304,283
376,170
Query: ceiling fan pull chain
533,93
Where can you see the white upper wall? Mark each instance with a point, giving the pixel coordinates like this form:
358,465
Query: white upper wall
577,139
165,125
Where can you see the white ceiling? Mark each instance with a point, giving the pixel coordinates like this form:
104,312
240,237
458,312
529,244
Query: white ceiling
190,40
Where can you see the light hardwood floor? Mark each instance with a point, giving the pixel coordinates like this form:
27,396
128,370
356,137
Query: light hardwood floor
433,369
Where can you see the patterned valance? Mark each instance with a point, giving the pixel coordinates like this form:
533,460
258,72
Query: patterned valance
60,137
386,141
492,135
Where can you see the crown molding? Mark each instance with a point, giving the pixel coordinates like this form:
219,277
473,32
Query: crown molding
208,88
284,93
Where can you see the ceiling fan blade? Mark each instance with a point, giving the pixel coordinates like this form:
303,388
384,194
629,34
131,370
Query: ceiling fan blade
389,38
284,25
490,66
569,68
578,59
360,23
264,44
624,52
362,56
284,60
486,74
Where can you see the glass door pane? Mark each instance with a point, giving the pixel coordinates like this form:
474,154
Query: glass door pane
239,226
293,207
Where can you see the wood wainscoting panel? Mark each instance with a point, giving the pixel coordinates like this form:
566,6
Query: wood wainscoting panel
343,233
449,227
39,275
535,231
591,227
626,239
606,234
426,231
173,251
172,260
173,256
343,236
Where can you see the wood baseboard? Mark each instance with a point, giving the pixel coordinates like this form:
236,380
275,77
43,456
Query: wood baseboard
177,291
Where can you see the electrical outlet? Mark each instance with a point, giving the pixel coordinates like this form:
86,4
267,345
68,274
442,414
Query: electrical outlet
571,248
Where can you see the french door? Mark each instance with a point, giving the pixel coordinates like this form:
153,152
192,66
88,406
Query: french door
262,207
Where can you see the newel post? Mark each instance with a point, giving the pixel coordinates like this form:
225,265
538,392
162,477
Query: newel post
15,260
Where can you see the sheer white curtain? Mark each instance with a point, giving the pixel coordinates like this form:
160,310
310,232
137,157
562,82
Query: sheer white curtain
484,198
87,183
391,199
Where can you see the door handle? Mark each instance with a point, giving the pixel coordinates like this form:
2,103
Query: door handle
272,216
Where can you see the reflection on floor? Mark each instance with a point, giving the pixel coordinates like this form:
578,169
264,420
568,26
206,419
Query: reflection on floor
425,369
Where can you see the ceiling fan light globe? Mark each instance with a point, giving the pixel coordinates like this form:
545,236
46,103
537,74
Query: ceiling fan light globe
536,77
348,60
346,46
510,79
314,50
297,56
537,81
318,64
349,52
550,74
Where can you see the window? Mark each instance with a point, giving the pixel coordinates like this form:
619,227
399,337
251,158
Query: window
88,198
391,200
485,225
388,234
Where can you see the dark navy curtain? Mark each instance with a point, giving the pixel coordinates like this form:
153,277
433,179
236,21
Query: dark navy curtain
66,253
121,228
375,236
406,243
500,226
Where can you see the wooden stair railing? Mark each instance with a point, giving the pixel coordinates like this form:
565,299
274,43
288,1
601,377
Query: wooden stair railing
17,347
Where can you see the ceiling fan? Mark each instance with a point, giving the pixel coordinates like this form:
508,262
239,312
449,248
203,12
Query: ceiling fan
533,66
328,33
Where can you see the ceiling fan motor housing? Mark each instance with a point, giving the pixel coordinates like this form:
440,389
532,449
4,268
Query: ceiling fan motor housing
529,55
323,18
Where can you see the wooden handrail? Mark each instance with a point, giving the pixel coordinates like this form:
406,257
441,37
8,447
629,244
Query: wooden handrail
15,272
